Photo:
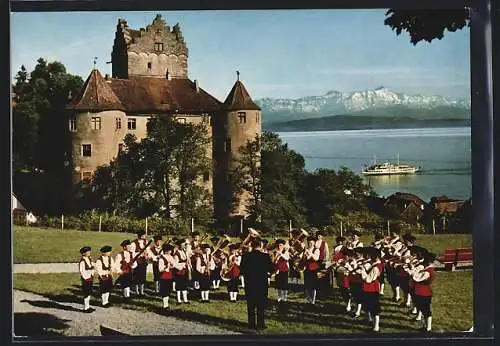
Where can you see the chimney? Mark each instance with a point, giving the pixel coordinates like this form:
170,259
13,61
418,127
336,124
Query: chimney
196,86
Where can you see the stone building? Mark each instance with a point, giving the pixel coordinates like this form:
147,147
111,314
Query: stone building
150,76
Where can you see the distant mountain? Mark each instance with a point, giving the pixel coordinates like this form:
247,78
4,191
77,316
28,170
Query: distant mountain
378,101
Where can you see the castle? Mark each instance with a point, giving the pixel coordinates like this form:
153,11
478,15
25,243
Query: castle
150,76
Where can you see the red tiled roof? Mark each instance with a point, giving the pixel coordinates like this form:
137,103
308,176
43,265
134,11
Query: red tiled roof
239,98
96,95
150,94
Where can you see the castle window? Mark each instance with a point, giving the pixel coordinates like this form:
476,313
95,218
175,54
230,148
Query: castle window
181,120
205,118
257,118
118,123
72,124
86,177
120,147
131,124
206,176
159,47
149,66
87,150
243,117
227,148
96,123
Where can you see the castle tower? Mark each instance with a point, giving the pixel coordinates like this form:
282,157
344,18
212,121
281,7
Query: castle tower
155,51
97,126
241,121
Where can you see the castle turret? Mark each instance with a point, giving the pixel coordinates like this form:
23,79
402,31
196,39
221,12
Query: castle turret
97,125
240,123
155,51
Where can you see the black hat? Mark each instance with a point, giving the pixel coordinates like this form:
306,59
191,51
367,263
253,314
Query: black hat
157,237
311,238
167,247
429,257
264,241
196,233
85,249
409,237
140,233
214,240
356,233
204,246
125,243
339,239
348,252
280,241
106,248
179,242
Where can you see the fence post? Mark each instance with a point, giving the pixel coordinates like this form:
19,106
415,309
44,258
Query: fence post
100,222
192,225
241,226
62,221
388,227
433,227
146,226
341,229
290,229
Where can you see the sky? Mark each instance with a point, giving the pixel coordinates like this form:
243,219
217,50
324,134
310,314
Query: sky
280,54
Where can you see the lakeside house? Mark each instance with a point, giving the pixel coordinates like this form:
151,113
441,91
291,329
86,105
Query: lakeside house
441,214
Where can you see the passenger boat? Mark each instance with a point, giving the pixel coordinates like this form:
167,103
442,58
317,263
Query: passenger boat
388,168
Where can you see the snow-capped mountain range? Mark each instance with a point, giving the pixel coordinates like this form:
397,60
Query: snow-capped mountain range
336,102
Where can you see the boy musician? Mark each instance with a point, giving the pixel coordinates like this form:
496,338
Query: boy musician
86,269
423,291
153,253
104,266
233,264
338,254
355,241
281,259
356,281
166,263
370,273
181,272
139,273
310,258
204,263
125,266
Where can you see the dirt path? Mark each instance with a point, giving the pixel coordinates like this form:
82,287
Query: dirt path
35,315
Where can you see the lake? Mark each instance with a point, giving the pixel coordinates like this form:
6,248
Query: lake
444,155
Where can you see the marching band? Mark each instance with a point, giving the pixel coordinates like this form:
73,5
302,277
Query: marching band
358,272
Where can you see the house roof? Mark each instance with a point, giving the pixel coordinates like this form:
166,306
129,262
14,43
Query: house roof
406,197
239,98
96,95
143,94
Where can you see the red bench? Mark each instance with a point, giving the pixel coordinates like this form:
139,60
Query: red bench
455,257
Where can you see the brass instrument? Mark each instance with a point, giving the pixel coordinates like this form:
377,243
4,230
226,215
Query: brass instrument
271,246
252,233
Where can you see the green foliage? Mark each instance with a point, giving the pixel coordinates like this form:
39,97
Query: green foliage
427,25
160,175
40,131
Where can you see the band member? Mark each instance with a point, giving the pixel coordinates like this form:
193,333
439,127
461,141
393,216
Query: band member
166,263
337,255
281,262
370,273
204,263
125,266
310,257
86,269
193,251
342,276
233,265
139,273
356,281
404,275
324,252
215,271
104,266
181,272
378,244
153,253
355,241
423,290
256,266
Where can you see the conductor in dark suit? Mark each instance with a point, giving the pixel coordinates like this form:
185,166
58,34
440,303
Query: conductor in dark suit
256,266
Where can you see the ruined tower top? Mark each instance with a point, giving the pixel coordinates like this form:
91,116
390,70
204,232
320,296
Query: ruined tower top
152,51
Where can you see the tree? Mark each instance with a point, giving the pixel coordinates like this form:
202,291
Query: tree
427,25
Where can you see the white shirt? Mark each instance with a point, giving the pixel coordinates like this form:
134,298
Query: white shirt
124,255
422,275
372,274
86,273
165,262
108,261
203,261
151,255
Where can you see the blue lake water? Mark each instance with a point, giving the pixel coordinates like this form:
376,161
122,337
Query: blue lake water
444,155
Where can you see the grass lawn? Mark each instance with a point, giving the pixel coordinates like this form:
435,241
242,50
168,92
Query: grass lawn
64,246
452,306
